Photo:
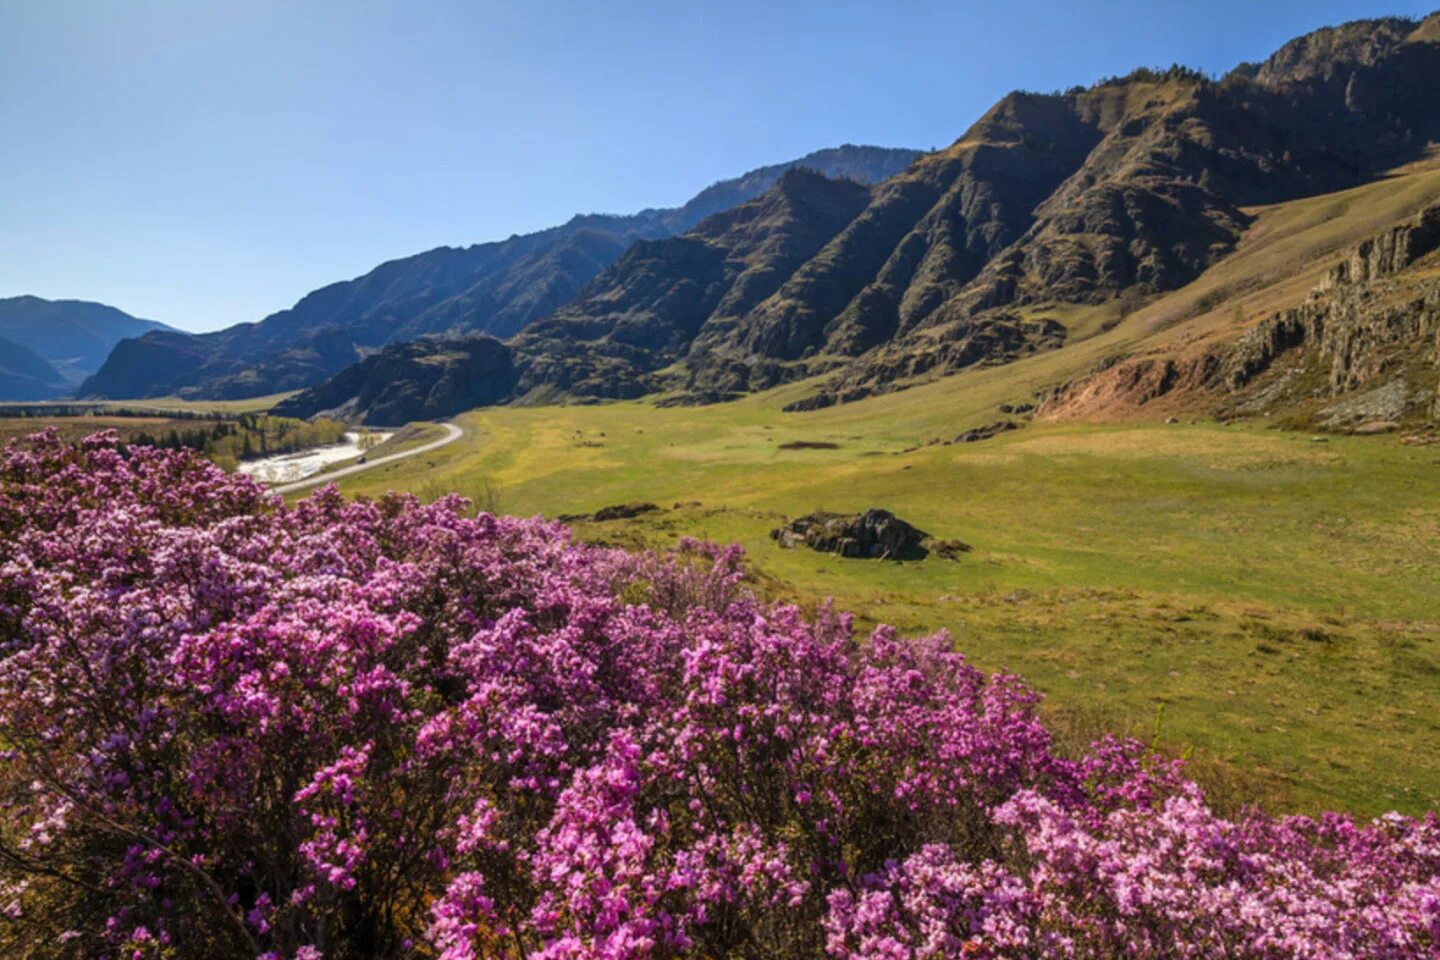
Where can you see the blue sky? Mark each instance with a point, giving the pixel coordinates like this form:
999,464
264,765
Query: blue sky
206,162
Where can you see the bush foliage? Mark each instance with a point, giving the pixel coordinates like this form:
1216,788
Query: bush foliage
235,728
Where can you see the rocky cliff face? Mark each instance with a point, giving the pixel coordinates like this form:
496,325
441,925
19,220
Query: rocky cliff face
1366,320
1365,346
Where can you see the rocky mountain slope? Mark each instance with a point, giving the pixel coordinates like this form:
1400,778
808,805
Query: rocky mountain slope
72,336
1049,205
1362,351
667,298
640,314
1159,195
495,288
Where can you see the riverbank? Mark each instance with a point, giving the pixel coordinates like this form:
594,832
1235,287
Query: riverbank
292,467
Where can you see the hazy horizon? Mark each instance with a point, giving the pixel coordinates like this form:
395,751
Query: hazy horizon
204,166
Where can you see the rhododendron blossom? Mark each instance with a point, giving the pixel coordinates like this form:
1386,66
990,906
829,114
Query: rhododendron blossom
235,728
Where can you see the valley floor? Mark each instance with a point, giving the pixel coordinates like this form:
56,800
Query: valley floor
1265,598
1269,599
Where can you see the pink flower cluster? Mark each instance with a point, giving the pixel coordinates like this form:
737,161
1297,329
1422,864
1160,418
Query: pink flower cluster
232,728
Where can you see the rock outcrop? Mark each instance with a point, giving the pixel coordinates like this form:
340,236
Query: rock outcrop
1362,322
873,535
1369,333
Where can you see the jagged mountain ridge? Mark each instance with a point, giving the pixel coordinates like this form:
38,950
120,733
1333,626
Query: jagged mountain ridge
495,288
650,307
1136,184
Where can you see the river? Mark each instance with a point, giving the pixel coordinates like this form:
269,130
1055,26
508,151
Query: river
289,467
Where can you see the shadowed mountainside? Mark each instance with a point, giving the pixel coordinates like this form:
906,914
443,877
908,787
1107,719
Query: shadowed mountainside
423,380
25,375
495,288
1120,192
72,336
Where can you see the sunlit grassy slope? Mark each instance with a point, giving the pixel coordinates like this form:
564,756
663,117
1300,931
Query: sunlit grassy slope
1278,596
247,405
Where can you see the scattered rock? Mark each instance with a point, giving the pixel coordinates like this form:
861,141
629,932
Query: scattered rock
1172,420
874,534
949,549
985,433
809,445
1016,408
1376,426
1383,404
620,511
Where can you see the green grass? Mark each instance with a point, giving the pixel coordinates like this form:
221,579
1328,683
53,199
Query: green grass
247,405
1276,598
77,428
1275,601
1275,594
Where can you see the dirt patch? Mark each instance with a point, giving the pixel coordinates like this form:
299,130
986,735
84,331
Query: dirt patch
1136,388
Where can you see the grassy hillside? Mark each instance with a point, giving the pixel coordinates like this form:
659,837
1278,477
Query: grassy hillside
1271,594
1275,594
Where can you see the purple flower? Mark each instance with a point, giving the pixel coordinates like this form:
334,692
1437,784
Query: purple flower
238,728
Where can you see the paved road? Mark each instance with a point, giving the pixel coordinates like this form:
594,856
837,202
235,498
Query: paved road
452,433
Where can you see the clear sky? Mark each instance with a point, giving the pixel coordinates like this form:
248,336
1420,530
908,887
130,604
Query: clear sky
205,162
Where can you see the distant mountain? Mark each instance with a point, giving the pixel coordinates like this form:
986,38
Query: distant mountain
1129,188
642,311
424,380
73,336
25,375
495,288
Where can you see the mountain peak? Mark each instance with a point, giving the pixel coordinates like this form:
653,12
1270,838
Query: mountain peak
1323,53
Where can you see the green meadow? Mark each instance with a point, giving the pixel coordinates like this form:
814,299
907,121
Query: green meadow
1261,600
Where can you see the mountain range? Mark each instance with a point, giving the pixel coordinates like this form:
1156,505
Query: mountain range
494,288
1113,194
1051,220
48,347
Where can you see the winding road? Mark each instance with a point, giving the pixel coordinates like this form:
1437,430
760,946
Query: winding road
452,433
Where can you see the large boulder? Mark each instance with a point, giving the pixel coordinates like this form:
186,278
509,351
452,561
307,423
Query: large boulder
874,534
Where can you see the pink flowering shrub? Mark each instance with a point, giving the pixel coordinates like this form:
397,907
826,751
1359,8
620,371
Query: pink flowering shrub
232,728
